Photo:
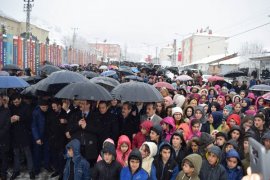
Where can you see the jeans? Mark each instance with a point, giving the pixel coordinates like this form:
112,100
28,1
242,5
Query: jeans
41,152
28,156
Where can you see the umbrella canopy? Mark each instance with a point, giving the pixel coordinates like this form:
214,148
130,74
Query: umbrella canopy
134,78
126,72
235,73
12,82
266,96
11,67
164,84
103,67
215,78
135,69
30,90
89,74
107,82
60,79
137,92
84,91
49,69
260,87
4,73
113,67
108,73
184,77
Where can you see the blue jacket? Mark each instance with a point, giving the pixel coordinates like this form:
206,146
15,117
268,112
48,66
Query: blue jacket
81,166
237,172
38,124
127,175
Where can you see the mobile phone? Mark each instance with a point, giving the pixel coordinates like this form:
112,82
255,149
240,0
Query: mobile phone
259,159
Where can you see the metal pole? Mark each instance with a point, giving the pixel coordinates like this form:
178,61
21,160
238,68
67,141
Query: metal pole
28,8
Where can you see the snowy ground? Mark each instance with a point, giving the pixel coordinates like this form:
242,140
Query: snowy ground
43,175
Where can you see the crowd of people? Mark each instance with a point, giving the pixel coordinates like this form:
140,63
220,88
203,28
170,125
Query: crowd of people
199,131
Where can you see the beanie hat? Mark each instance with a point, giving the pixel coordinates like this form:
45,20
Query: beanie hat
206,139
215,150
229,108
179,100
157,129
177,110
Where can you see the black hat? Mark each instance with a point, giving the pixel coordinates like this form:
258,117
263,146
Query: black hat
157,129
222,134
43,102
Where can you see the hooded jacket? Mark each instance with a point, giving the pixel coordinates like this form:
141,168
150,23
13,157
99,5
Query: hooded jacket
257,105
210,172
140,174
196,160
161,171
81,166
147,162
139,138
105,171
168,134
106,142
237,172
123,157
203,119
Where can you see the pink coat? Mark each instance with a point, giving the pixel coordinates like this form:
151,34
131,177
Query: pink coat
122,158
168,134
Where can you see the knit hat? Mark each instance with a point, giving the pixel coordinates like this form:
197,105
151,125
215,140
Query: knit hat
179,100
233,143
157,129
177,110
206,139
109,148
229,108
215,150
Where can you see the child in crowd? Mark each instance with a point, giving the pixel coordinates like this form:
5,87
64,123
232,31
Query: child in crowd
142,135
148,151
123,150
233,165
168,127
191,166
134,169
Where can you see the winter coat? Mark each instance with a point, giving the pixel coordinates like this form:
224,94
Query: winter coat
88,136
4,127
106,142
147,162
160,171
21,130
140,138
56,131
237,172
129,126
123,158
257,105
196,160
216,172
216,125
193,134
104,171
81,166
39,125
168,134
110,126
182,152
256,134
140,174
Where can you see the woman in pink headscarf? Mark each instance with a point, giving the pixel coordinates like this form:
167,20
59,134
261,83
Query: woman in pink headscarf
168,101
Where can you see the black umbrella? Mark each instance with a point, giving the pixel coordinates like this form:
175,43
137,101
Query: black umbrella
49,69
9,67
84,91
126,72
260,87
59,79
107,82
89,74
235,73
137,92
134,78
30,91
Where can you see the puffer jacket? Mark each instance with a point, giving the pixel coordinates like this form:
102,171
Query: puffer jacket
81,166
147,162
123,157
237,172
105,171
140,174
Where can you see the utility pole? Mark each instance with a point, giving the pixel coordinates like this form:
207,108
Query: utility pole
28,8
74,37
157,61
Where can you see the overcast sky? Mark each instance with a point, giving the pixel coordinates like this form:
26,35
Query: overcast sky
144,25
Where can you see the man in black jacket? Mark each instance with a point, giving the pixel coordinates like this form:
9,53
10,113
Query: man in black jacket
21,134
110,127
84,127
4,138
129,124
56,126
108,168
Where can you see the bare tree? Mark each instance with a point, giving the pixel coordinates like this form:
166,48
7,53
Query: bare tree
251,48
